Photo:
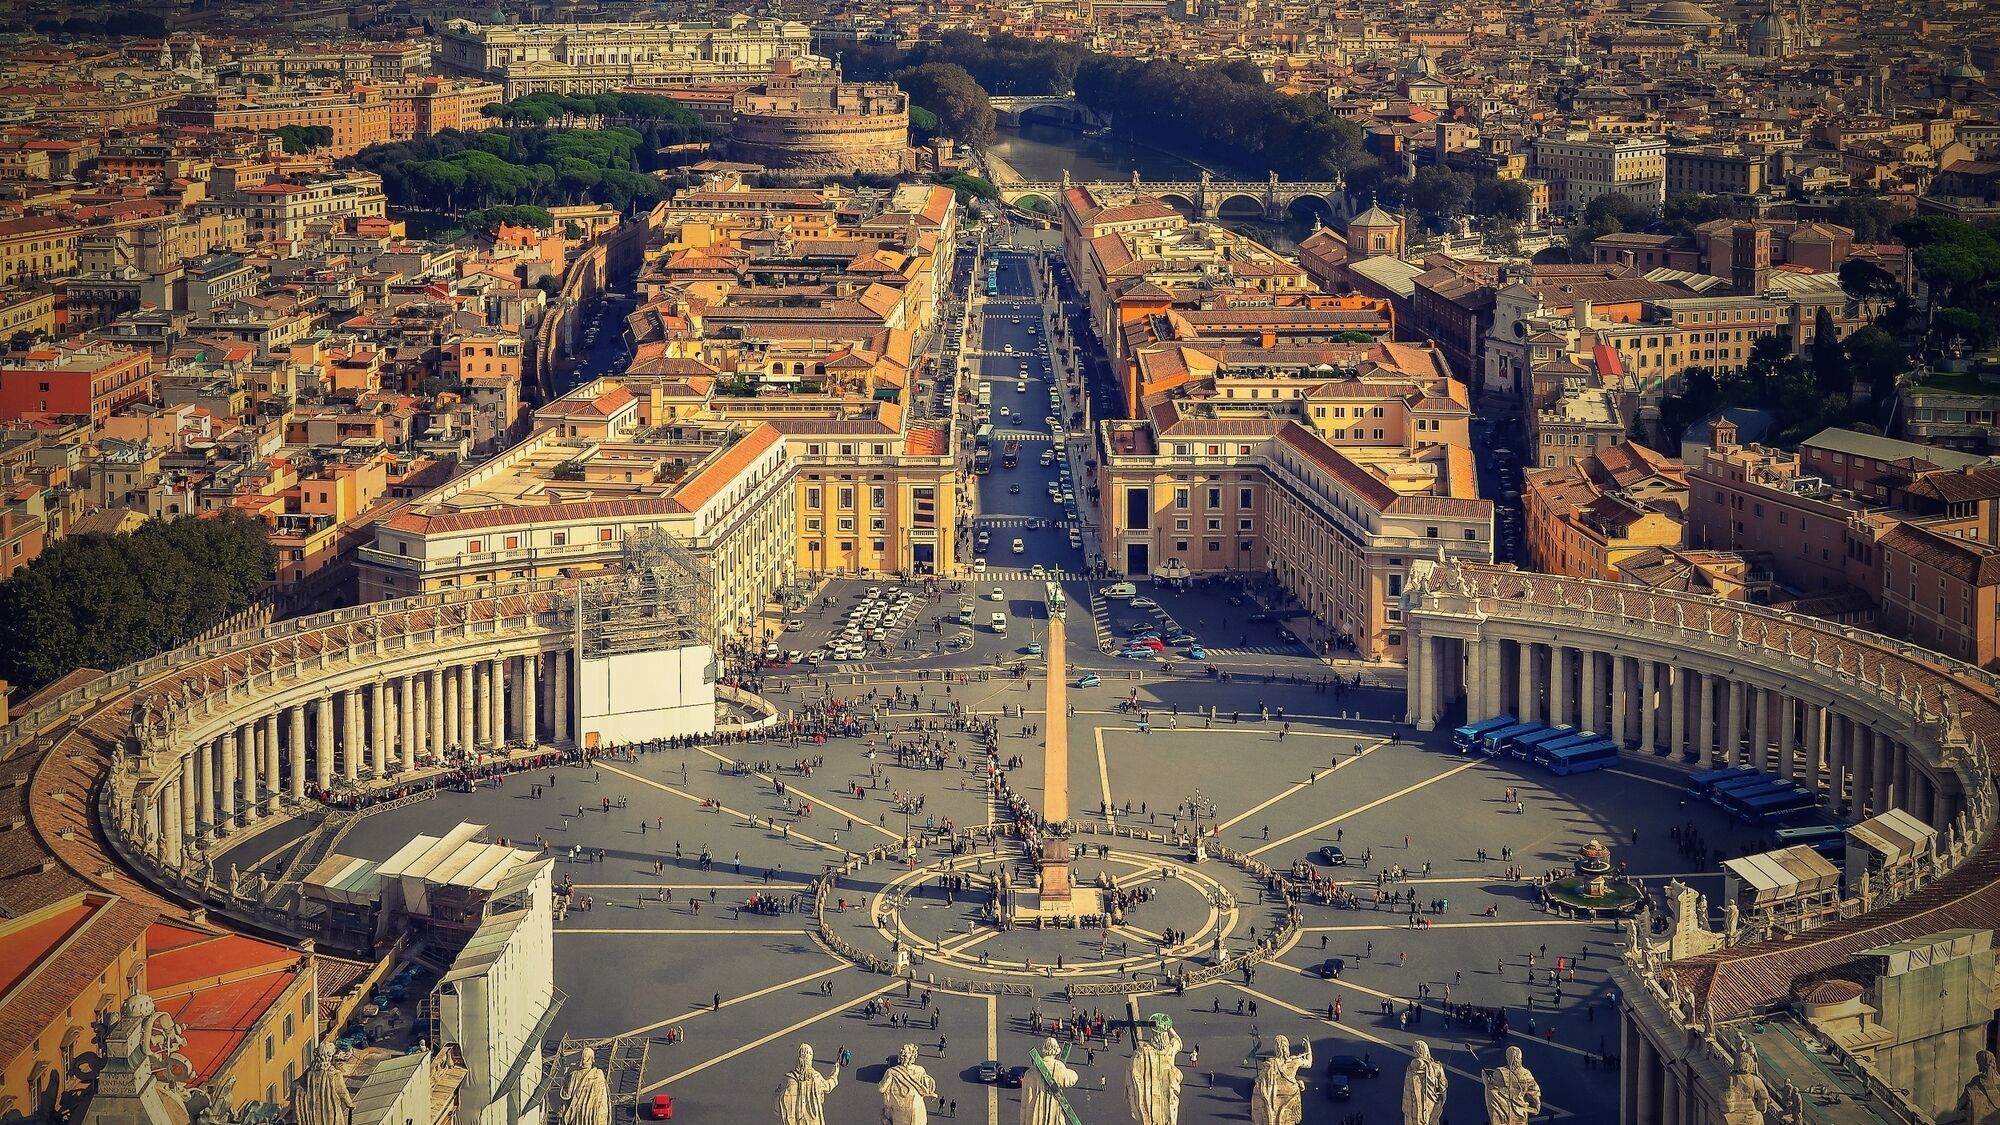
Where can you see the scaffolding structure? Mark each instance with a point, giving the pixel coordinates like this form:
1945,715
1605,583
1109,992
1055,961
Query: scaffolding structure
658,600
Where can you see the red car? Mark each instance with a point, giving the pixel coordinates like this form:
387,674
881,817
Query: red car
663,1107
1154,643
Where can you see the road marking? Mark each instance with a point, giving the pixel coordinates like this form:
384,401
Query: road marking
1379,801
767,777
1555,1111
1348,984
738,813
1104,779
1453,925
1316,775
644,930
778,1034
992,1052
732,1001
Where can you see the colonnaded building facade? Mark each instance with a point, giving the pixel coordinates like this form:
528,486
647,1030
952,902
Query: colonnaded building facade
1869,988
590,58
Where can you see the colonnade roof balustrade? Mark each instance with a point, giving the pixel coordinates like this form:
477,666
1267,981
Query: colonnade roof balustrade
1952,704
119,727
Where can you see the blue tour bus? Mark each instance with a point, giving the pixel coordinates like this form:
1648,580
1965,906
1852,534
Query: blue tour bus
1733,800
1773,807
1700,784
1575,738
1523,747
1596,755
1494,742
1722,791
1811,834
1466,737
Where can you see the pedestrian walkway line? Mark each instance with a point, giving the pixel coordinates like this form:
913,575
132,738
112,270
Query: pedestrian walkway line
1315,776
682,932
897,836
1365,989
720,807
1104,779
1423,881
763,1039
992,1052
1555,1111
1497,922
732,1001
1358,810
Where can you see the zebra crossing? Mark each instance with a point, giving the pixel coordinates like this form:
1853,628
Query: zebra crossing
1022,573
1026,522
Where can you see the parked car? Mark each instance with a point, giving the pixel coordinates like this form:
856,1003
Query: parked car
1353,1066
989,1071
1121,590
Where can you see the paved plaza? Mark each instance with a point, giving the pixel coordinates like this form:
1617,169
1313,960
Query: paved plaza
666,935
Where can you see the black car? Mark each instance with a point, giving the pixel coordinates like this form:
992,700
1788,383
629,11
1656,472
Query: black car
1012,1077
1330,968
1332,856
1337,1088
1352,1066
1286,635
1260,617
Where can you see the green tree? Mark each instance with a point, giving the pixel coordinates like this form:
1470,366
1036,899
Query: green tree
948,91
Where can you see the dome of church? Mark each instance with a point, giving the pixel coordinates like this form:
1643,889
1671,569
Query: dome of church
1680,13
1963,68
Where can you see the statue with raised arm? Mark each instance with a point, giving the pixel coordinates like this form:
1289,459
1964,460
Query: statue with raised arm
906,1088
1512,1094
1277,1095
1423,1088
1979,1104
586,1100
802,1095
1153,1088
1042,1102
1747,1097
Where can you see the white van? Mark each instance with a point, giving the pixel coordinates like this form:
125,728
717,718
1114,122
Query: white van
1121,590
965,612
999,622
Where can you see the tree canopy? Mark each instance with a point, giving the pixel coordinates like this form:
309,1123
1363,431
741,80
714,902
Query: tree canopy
1207,114
301,139
949,93
453,171
103,601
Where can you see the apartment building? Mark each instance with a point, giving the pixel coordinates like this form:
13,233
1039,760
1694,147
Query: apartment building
1332,480
88,381
358,116
1715,170
432,105
1588,516
1581,166
287,211
589,58
36,246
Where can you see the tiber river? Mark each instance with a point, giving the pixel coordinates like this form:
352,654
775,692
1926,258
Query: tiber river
1040,151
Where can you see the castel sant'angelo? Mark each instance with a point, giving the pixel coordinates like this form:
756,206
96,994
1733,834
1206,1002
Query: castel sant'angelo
810,123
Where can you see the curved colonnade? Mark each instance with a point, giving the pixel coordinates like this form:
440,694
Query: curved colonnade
212,739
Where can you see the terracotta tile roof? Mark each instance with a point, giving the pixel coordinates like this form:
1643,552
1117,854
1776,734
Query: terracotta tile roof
1336,464
1958,486
926,441
1968,561
709,481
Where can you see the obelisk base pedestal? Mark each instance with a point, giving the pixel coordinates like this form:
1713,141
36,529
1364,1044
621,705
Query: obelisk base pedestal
1056,894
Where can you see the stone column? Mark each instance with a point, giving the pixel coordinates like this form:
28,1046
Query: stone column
273,788
252,750
295,722
190,793
323,743
1427,688
561,719
482,711
1815,744
378,728
466,732
1590,708
1416,667
1838,730
1495,690
1676,709
1760,730
496,684
231,748
1620,699
1704,731
1648,1105
1732,725
1527,712
530,693
1881,797
1649,719
350,754
1558,685
167,828
1788,737
204,785
406,714
434,709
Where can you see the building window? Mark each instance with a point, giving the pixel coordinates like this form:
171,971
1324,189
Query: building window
604,535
